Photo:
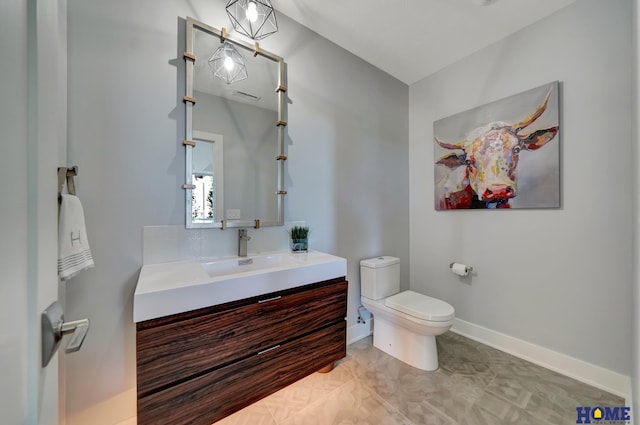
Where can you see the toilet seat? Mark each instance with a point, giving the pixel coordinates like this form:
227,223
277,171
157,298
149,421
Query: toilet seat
421,306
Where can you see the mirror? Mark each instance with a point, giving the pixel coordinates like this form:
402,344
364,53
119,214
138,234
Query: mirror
234,137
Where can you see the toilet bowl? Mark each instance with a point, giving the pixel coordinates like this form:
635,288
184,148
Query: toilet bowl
405,323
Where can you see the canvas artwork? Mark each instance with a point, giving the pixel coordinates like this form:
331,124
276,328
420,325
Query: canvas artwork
505,154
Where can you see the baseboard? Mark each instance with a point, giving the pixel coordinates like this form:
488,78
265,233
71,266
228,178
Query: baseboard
580,370
629,401
119,409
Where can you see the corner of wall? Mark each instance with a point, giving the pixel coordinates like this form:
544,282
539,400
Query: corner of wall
359,331
634,391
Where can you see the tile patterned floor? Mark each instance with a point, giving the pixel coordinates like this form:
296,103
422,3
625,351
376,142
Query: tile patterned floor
475,385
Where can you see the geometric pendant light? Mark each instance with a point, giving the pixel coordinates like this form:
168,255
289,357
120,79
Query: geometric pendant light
255,19
227,64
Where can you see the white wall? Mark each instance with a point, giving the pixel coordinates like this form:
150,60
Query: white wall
347,173
557,278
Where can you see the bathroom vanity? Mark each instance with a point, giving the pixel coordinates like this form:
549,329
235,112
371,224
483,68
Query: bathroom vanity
215,336
275,326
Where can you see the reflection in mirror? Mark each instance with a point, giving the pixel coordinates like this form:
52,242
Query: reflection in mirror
249,115
207,176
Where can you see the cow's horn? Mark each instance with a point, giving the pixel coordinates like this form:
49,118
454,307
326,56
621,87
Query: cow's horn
534,116
457,145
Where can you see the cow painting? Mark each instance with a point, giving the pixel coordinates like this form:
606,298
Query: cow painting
481,170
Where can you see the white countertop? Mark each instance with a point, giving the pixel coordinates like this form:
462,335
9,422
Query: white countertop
171,288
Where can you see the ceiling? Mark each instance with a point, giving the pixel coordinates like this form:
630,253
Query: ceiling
411,39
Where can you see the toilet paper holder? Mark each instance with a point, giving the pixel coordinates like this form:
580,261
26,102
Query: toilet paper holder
469,269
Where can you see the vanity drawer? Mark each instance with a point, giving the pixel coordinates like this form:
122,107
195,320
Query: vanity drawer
176,350
212,396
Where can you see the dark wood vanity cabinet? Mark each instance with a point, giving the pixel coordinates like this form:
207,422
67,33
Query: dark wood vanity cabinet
200,366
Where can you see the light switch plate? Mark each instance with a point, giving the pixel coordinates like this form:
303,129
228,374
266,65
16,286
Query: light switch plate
233,214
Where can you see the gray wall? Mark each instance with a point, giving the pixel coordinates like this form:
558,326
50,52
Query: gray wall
558,278
347,173
635,370
33,140
14,394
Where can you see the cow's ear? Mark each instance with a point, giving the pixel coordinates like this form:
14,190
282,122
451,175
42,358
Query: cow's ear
539,138
453,160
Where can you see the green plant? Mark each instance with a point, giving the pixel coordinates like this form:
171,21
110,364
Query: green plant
299,232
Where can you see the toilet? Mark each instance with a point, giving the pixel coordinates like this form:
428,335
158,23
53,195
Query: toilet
405,323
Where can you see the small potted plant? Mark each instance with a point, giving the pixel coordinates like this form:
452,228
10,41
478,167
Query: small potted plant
299,238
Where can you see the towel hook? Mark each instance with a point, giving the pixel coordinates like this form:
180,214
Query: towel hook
68,174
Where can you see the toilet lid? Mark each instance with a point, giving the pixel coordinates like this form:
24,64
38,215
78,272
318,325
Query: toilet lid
421,306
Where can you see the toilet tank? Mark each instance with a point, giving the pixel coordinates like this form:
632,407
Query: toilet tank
379,277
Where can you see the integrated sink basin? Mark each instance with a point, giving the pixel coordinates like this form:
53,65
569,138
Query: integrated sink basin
245,264
171,288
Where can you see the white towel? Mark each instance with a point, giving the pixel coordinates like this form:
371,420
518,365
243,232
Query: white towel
74,254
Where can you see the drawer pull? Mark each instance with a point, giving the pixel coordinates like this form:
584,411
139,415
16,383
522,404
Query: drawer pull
269,349
270,299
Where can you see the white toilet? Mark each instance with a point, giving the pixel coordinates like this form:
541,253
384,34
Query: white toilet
405,323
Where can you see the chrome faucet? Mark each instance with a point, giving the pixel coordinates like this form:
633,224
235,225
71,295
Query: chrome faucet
243,238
